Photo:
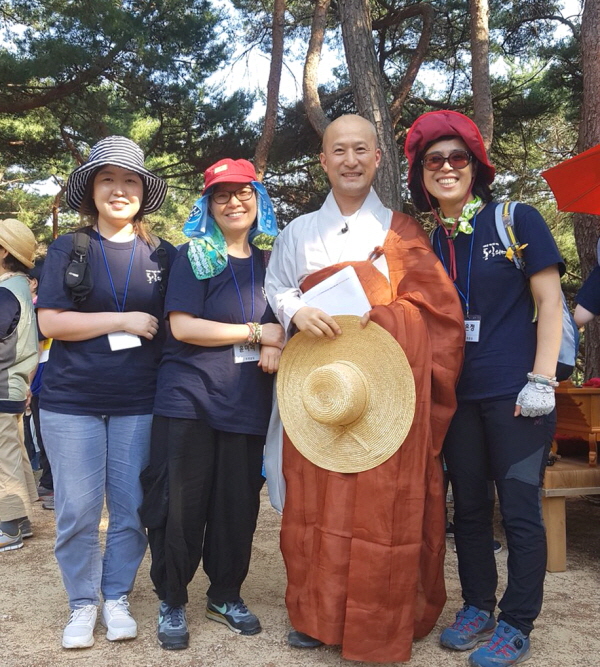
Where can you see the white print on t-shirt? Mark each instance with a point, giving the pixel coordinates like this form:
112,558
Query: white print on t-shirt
153,276
492,250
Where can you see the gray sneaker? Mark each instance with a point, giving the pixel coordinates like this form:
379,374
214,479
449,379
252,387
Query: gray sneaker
235,615
25,528
173,632
10,542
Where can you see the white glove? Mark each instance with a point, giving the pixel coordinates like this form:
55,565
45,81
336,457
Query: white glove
536,399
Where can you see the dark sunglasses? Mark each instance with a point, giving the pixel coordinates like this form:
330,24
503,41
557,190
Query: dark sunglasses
223,196
457,160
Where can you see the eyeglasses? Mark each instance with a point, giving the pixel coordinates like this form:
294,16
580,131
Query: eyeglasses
223,196
457,160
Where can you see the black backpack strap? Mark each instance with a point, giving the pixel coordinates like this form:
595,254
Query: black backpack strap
162,257
78,276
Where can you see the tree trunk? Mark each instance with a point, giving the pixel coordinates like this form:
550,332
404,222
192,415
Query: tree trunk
480,70
310,79
587,227
264,144
369,95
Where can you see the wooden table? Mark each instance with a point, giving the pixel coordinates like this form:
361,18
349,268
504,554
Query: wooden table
570,476
578,415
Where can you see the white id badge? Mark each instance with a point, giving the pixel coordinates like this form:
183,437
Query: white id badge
243,352
121,340
472,325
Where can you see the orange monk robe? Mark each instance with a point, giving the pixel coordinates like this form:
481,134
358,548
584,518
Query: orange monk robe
364,552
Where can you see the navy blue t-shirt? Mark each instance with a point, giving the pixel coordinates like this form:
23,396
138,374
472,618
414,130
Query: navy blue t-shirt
497,365
86,377
589,294
10,312
197,382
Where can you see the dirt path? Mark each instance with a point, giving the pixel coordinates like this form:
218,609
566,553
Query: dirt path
33,610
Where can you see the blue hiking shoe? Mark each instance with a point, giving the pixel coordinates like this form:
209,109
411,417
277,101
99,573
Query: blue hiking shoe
471,626
235,615
172,628
508,646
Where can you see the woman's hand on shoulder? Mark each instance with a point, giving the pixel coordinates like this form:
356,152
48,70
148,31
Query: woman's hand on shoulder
269,358
273,335
140,324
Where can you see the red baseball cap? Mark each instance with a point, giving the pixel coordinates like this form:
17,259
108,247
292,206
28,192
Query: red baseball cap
435,124
229,171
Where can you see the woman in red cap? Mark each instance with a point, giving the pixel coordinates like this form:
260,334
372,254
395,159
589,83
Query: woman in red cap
213,405
503,427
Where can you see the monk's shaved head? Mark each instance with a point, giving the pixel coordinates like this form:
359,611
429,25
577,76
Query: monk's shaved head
350,123
350,159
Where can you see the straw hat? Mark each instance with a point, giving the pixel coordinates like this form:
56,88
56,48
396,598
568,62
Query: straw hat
120,152
18,240
347,404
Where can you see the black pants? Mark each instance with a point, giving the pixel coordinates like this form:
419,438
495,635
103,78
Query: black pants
486,444
46,478
213,482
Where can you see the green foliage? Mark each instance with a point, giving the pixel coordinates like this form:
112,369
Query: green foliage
74,72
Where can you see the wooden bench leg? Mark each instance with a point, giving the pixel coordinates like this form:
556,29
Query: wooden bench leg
553,509
593,455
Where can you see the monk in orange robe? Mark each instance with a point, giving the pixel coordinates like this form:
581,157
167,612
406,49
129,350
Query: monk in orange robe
364,551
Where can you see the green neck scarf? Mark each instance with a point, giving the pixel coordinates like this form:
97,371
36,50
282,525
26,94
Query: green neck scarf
464,224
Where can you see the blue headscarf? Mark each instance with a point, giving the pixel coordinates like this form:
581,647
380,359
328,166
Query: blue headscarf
208,250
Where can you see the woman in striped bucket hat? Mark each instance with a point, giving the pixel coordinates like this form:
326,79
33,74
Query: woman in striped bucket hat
100,299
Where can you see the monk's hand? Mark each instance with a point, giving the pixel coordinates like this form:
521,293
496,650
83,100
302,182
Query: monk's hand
365,319
316,323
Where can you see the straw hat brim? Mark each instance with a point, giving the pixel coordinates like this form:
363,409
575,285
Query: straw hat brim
18,240
155,188
382,428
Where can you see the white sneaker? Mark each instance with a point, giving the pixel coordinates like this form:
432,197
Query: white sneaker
79,631
118,620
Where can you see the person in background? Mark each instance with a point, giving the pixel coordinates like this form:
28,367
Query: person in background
504,424
18,359
45,483
212,406
100,380
588,299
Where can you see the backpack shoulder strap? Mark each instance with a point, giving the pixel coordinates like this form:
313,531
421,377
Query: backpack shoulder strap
78,278
162,257
81,244
504,216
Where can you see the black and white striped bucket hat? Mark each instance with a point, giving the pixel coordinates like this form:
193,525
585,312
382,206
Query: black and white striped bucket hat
120,152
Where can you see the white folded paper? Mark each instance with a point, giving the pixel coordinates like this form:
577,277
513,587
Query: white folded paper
340,294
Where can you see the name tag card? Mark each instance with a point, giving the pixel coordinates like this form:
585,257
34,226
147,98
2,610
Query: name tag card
121,340
243,352
472,325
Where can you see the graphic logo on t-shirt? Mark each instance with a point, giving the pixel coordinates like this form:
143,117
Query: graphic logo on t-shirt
153,276
492,250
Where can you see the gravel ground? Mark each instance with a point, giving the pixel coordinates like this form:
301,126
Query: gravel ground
33,610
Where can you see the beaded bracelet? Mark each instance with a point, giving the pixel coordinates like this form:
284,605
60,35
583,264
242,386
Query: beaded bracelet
255,333
542,379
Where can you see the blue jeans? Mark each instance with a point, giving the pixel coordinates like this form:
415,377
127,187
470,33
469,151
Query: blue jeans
92,455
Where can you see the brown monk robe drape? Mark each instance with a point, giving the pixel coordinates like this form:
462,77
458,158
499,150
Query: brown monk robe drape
364,552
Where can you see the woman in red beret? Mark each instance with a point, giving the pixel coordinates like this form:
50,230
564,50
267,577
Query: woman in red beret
503,427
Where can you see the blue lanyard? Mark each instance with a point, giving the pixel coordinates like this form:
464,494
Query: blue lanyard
237,288
120,307
468,296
